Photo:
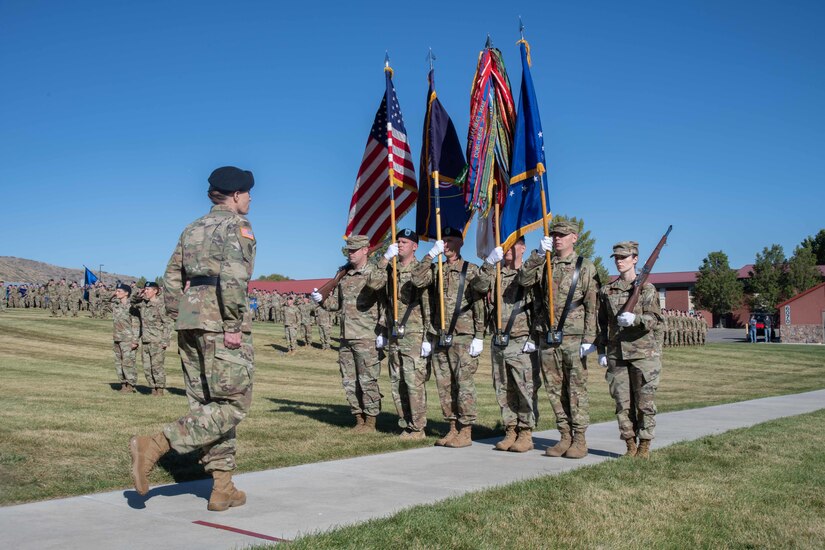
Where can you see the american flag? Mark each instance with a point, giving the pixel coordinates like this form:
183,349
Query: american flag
387,155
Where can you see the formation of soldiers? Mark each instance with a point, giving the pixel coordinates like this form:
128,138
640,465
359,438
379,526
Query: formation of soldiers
298,313
61,298
532,343
682,328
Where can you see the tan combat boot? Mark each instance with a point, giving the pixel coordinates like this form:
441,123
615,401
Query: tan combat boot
579,447
224,493
160,392
412,435
644,449
631,446
359,423
124,387
449,437
154,391
463,439
509,439
524,442
561,447
369,425
146,450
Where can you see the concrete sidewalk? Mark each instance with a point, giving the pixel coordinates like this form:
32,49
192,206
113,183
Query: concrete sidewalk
286,502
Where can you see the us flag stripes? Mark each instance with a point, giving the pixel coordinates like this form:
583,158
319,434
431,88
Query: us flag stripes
387,156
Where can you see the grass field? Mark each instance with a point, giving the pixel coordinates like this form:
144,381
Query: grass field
64,427
760,487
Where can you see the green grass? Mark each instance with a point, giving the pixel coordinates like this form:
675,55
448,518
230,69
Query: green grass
64,428
760,487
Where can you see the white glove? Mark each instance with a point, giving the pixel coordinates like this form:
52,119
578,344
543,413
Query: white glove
626,319
586,349
438,248
529,347
380,341
476,347
603,360
495,256
426,348
392,252
547,244
316,296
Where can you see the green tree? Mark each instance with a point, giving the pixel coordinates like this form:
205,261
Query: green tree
767,279
802,272
141,282
817,245
717,288
586,246
273,277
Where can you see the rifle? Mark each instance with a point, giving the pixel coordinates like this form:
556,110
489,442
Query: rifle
641,278
330,285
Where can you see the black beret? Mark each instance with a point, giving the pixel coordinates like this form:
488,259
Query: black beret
127,288
452,232
408,234
150,284
228,179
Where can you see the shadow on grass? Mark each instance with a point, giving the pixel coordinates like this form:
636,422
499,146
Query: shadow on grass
201,488
340,415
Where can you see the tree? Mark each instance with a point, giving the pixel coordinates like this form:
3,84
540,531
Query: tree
817,245
586,246
273,277
141,282
802,272
767,279
717,288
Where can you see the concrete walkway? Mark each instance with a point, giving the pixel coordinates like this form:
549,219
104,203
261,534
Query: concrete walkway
286,502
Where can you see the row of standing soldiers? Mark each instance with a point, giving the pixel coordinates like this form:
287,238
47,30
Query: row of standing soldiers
298,313
683,328
61,298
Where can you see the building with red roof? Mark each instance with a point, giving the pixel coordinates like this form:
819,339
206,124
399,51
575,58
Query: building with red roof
802,318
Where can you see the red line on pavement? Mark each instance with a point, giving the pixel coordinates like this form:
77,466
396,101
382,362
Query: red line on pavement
241,531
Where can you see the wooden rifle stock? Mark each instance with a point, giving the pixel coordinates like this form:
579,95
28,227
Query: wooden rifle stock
641,278
330,285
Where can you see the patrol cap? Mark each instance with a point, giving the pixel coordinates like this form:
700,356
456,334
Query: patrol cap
564,227
357,242
452,232
121,286
625,248
150,284
228,179
408,234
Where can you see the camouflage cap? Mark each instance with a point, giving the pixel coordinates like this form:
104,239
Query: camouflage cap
625,248
357,242
564,227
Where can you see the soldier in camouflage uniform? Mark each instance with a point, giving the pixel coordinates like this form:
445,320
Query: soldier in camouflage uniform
358,297
408,347
513,349
155,331
292,318
630,347
63,298
126,331
565,365
51,297
455,364
3,292
324,320
75,296
205,290
307,308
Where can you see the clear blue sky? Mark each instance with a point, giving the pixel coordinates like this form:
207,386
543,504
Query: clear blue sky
706,115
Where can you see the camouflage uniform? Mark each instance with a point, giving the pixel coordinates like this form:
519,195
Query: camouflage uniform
454,367
218,379
63,298
126,331
2,296
75,295
51,294
156,329
324,320
408,370
564,370
292,318
633,357
514,371
357,296
306,321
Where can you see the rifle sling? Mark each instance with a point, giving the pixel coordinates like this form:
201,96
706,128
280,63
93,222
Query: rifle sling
570,293
461,280
518,307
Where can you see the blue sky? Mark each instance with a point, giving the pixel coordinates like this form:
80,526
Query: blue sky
706,115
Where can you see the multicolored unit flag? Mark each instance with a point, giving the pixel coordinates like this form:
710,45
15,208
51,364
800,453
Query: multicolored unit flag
387,161
523,209
441,153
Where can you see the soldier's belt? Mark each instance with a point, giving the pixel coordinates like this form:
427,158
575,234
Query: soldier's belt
204,281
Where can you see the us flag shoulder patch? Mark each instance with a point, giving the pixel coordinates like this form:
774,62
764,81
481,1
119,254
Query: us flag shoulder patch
247,233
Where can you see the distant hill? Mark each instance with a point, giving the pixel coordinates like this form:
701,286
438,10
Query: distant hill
30,271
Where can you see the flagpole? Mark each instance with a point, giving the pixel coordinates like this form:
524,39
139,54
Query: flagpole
497,228
394,233
437,190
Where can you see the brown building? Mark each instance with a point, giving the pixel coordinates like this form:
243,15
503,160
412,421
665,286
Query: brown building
802,318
